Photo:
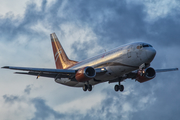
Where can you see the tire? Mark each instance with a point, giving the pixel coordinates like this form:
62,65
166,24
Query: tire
121,88
89,87
116,88
85,87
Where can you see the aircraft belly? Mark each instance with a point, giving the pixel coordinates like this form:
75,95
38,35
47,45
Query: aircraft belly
109,75
68,82
105,77
121,70
124,65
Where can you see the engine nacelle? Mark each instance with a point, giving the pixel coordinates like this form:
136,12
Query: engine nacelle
85,74
145,74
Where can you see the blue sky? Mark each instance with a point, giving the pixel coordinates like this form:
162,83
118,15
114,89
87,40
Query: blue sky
86,28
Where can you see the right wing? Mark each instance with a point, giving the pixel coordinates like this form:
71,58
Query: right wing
52,73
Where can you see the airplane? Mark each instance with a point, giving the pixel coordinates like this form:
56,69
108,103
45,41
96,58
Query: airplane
130,61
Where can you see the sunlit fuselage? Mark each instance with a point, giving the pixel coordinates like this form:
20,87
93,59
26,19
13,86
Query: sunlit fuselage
118,62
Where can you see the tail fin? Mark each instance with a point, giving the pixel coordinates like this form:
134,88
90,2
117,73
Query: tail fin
60,57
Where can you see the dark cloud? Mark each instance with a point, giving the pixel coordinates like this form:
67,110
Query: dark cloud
115,23
118,22
149,101
166,105
43,111
12,27
165,30
28,89
11,98
83,47
160,103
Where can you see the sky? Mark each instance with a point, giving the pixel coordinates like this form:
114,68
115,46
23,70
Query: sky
86,28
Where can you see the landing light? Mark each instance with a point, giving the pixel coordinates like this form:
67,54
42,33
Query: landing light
102,69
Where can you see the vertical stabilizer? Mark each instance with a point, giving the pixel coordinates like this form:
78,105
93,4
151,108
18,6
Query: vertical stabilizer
60,57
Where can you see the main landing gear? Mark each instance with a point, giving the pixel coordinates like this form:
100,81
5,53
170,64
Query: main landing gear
119,87
87,87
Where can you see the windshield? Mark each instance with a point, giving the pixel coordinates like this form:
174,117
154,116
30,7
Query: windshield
146,45
143,46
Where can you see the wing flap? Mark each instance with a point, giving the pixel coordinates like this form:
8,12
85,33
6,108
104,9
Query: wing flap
42,74
50,75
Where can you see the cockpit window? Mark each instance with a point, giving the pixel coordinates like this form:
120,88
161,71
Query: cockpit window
143,46
147,45
150,46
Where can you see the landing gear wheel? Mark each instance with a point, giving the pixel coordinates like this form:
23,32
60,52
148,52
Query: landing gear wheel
116,88
89,87
121,88
85,87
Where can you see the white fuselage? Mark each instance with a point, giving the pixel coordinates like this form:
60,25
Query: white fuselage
117,62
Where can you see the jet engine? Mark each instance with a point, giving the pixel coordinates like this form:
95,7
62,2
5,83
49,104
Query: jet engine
85,74
145,74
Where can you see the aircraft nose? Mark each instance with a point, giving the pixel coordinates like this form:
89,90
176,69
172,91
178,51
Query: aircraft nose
151,54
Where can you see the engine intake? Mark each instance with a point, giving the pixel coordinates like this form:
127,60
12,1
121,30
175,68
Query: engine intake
85,74
145,74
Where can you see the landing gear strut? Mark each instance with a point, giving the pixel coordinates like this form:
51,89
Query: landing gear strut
119,87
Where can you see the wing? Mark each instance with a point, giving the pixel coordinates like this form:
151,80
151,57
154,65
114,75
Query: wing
166,70
51,73
133,74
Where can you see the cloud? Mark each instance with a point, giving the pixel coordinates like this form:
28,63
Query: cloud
28,89
43,111
10,99
85,28
16,8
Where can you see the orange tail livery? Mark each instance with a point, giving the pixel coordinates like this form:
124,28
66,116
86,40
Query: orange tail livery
60,57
